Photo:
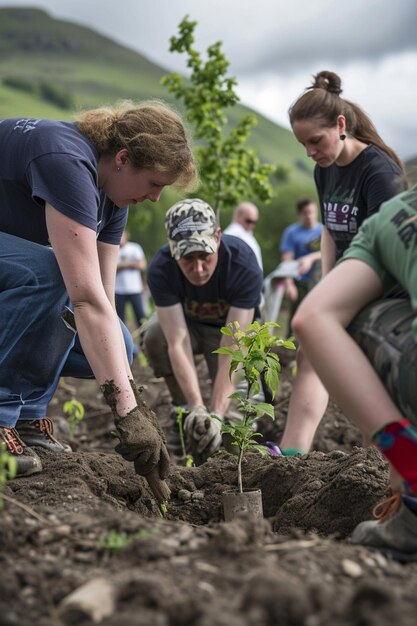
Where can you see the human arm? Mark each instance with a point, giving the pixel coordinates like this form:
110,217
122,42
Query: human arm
77,254
108,255
203,433
306,262
202,429
290,286
222,386
174,327
87,269
328,251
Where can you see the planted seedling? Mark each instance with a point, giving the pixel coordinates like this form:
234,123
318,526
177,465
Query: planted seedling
75,412
163,508
143,361
8,469
251,352
181,414
115,540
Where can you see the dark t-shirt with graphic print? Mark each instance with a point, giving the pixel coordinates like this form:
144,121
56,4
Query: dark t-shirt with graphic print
50,161
236,281
350,194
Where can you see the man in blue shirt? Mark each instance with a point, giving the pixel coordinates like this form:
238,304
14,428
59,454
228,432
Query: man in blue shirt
199,282
301,242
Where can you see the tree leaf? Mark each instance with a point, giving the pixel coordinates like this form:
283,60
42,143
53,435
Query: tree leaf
224,350
263,408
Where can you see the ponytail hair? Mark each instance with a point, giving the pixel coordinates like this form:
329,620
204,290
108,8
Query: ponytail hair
152,133
322,102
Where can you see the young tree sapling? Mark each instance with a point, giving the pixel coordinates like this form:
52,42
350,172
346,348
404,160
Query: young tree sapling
252,353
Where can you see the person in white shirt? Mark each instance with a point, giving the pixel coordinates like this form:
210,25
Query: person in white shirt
244,219
129,284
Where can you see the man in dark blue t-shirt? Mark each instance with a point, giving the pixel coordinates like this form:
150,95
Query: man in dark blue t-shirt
200,282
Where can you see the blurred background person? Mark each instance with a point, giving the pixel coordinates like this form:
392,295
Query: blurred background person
129,283
301,242
244,219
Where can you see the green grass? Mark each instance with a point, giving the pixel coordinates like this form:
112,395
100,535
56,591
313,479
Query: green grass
96,71
15,103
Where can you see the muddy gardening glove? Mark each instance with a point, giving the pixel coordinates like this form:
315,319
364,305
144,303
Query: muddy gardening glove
141,438
203,433
141,443
144,409
156,478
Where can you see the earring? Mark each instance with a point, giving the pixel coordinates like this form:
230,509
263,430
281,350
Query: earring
342,137
118,169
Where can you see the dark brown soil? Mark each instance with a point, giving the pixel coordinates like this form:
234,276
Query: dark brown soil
295,568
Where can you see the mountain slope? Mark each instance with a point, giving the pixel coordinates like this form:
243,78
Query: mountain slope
96,70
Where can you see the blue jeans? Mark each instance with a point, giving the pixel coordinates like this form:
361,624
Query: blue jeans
136,301
36,345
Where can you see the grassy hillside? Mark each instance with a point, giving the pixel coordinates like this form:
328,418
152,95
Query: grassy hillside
96,70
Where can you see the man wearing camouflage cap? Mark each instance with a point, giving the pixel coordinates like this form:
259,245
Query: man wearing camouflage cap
199,282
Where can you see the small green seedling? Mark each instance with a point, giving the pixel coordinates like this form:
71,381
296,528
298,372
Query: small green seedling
115,540
251,351
75,412
143,361
8,469
163,509
181,414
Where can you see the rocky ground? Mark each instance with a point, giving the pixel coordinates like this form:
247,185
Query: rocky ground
89,519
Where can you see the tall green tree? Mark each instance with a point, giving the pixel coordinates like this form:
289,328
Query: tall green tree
229,169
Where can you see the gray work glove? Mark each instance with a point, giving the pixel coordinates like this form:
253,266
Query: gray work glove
141,438
203,433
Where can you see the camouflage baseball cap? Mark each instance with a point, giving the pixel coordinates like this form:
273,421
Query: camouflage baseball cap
191,227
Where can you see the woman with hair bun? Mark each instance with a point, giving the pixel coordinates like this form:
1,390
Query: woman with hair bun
65,188
355,173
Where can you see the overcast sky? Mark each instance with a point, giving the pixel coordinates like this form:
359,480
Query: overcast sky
275,46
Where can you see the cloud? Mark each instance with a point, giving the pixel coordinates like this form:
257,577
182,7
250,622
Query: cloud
275,35
326,31
384,89
274,47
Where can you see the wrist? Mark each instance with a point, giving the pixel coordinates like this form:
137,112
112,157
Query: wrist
197,407
194,398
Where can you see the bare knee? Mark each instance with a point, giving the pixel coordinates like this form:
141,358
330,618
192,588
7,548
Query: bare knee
303,318
301,359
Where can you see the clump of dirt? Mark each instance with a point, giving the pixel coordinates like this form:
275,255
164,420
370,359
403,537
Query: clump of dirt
89,515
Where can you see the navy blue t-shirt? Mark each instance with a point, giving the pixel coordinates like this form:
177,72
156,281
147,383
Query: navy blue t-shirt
352,193
50,161
236,281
